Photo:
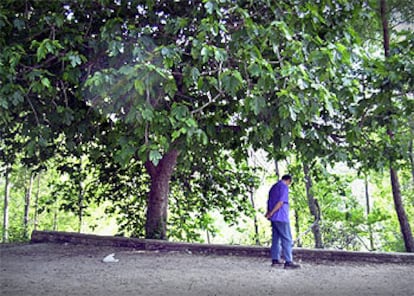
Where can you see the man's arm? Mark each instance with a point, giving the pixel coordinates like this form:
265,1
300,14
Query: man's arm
284,194
274,210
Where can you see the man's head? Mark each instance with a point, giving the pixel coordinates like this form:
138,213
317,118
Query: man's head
287,179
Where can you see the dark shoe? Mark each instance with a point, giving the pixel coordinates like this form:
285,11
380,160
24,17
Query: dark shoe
291,265
277,263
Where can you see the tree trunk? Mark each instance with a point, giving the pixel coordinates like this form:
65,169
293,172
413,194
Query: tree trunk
27,198
395,183
80,212
36,206
256,226
157,207
5,237
368,209
402,216
313,208
55,215
277,170
297,228
411,156
385,32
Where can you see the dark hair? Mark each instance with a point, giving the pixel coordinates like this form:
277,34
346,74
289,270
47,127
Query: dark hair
287,177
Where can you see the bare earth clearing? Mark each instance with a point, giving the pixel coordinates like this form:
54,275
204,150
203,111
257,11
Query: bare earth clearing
66,269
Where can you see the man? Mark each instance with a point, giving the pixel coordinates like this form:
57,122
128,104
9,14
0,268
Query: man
278,214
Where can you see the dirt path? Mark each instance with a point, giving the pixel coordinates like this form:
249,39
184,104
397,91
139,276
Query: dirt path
56,270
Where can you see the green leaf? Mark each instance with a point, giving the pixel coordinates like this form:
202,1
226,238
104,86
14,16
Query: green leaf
17,98
201,135
170,87
206,52
180,112
257,104
232,81
46,82
74,60
255,70
175,135
147,114
155,157
195,74
115,48
209,7
285,140
124,155
292,113
220,54
344,52
4,104
19,24
139,86
191,122
329,107
282,26
45,47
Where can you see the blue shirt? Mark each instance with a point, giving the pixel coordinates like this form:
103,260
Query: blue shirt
279,192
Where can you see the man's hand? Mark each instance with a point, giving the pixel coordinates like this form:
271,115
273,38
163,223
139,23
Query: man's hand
269,214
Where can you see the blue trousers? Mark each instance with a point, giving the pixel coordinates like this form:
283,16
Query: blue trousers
281,236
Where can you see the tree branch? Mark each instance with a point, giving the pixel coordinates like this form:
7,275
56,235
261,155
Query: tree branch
206,104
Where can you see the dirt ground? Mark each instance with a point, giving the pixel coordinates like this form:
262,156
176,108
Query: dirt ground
64,269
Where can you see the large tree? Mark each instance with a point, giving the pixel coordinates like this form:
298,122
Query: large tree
297,93
378,127
150,79
403,96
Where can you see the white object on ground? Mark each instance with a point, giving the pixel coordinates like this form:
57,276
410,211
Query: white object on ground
110,258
